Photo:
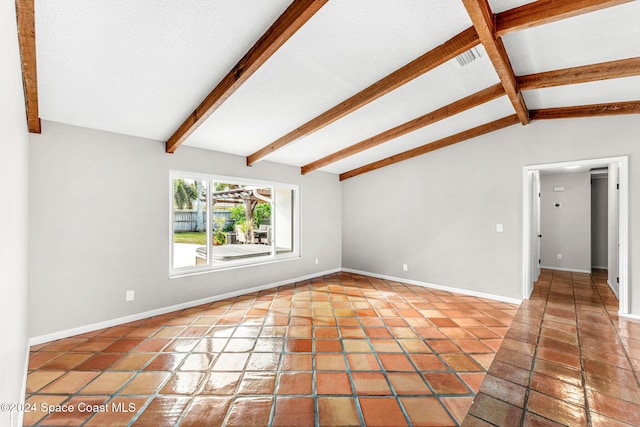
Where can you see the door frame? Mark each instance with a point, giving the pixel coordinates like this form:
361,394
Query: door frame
623,222
535,270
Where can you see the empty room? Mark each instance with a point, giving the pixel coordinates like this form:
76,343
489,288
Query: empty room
320,213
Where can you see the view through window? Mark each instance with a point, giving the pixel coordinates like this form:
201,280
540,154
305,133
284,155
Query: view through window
221,222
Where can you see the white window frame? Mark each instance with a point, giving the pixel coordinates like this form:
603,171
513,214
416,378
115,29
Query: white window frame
244,262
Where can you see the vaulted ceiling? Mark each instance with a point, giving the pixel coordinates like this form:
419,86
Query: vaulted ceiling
342,86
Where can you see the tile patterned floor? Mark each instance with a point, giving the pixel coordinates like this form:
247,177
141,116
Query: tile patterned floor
339,350
567,359
351,350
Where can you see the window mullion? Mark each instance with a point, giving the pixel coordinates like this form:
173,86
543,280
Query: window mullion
273,221
209,224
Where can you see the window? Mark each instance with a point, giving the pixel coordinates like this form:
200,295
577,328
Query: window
221,222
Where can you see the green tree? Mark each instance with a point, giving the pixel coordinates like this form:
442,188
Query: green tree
193,190
237,213
199,193
181,196
185,194
223,186
262,213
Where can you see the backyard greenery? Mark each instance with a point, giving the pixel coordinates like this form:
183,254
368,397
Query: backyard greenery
261,214
184,194
190,214
219,235
199,238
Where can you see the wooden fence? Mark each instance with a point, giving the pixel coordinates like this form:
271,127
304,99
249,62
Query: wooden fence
187,220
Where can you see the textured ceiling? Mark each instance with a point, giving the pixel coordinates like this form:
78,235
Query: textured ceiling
347,45
601,36
141,67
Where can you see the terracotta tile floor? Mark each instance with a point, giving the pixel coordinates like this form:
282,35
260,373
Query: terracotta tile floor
339,350
567,359
351,350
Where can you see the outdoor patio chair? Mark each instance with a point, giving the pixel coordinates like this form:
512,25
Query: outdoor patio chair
267,228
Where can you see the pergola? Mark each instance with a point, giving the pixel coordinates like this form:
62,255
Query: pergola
248,196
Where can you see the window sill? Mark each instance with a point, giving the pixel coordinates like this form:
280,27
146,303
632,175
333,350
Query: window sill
186,272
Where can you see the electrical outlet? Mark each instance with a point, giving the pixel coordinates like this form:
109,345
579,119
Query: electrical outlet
560,257
317,261
130,295
405,267
499,228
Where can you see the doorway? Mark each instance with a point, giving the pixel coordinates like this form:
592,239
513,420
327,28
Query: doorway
618,223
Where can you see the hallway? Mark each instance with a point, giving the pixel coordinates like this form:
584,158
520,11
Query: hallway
567,359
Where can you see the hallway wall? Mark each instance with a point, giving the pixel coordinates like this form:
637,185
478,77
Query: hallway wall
565,221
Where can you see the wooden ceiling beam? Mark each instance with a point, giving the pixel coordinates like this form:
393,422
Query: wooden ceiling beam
430,60
296,15
588,73
27,40
452,109
546,11
436,145
482,19
609,109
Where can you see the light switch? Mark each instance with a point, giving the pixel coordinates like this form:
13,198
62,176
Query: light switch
499,228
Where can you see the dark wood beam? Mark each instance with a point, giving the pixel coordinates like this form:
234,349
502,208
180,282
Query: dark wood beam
545,11
610,109
452,109
430,60
482,19
588,73
296,15
442,143
27,41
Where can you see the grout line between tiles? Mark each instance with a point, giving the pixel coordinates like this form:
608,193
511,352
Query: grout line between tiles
583,372
525,403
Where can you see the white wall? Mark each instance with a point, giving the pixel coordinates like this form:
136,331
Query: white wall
599,218
566,229
14,214
100,224
438,212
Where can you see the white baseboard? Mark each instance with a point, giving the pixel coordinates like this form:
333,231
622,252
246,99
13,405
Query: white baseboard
530,291
572,270
614,290
16,419
629,316
439,287
143,315
146,314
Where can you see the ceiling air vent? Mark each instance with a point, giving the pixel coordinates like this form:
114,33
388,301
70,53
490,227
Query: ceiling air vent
466,58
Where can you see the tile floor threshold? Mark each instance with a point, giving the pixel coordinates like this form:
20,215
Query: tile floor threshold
348,349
